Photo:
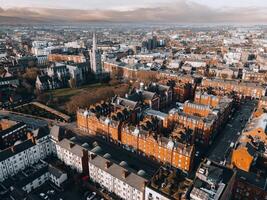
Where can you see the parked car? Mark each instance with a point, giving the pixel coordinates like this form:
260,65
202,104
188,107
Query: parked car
90,197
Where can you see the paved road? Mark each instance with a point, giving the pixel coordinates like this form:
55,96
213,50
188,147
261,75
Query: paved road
230,133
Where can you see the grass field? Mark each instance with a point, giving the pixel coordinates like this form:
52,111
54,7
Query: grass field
67,100
69,92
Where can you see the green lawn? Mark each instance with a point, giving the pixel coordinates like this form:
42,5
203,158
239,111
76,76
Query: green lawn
69,92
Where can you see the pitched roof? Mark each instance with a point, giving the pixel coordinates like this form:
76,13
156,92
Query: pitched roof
72,147
41,132
55,171
117,171
57,132
7,153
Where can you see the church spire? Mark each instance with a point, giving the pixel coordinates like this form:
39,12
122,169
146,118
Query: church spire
94,42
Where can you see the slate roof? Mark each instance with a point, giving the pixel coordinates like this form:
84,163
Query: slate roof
7,153
117,171
72,147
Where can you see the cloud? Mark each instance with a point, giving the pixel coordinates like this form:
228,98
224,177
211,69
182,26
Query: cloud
182,11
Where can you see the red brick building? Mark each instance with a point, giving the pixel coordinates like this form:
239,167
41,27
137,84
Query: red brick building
204,116
243,89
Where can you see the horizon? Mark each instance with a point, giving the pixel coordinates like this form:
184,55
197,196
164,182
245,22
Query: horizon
170,11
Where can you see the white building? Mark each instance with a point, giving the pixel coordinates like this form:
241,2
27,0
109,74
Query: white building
57,176
74,44
38,47
151,194
72,155
196,64
59,70
42,60
174,64
24,154
78,71
232,57
117,178
35,176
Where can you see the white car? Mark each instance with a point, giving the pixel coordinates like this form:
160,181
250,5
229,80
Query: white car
91,197
42,194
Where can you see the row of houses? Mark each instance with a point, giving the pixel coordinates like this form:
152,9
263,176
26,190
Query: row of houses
245,89
166,137
28,167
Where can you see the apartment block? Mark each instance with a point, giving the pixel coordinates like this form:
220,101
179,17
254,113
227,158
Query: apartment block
204,116
11,132
243,89
24,154
117,178
73,155
145,140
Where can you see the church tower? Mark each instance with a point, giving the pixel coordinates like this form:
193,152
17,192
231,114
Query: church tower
95,57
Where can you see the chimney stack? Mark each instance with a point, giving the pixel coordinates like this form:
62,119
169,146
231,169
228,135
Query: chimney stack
108,164
142,86
92,156
30,136
72,144
13,149
125,173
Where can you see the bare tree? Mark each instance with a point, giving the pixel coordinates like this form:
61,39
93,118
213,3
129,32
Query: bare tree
224,76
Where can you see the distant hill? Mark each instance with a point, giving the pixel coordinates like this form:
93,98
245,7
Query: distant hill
17,20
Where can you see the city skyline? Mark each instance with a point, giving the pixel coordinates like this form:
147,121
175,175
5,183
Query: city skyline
180,11
133,100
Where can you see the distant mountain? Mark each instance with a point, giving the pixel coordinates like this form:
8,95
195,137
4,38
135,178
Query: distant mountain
179,12
18,20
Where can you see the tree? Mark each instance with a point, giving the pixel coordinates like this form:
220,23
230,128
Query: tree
31,74
43,97
224,76
73,83
87,98
252,78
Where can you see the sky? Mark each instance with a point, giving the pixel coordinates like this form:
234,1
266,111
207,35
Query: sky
181,11
125,4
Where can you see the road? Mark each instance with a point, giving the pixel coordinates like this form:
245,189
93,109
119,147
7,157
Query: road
220,150
30,121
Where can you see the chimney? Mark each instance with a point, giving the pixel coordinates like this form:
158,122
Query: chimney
13,149
125,173
92,156
72,144
142,86
144,184
108,164
30,136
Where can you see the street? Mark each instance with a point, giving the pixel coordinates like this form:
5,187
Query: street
220,150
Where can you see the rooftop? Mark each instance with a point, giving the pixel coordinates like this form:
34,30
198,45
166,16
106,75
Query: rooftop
122,172
211,180
171,183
